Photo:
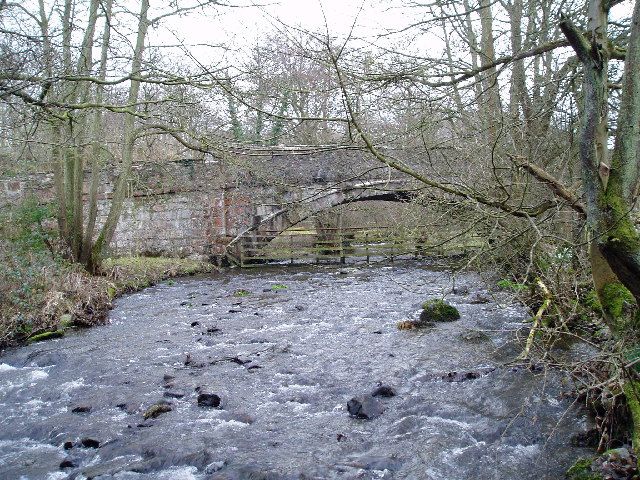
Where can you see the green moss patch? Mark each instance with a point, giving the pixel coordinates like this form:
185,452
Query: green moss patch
613,297
241,293
437,310
581,470
40,337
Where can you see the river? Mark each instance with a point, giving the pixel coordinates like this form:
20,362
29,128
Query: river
284,350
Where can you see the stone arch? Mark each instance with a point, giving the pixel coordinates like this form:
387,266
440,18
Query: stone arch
267,227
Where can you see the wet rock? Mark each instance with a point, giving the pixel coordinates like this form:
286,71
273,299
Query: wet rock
474,336
67,463
157,409
209,400
167,377
300,308
214,467
461,290
176,394
68,445
479,299
341,438
377,332
90,443
383,391
212,331
237,417
235,310
81,409
365,407
109,468
590,438
185,304
195,324
239,361
45,358
375,463
458,377
189,361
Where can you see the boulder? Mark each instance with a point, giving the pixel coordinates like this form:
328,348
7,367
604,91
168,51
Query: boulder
437,310
365,407
156,410
210,400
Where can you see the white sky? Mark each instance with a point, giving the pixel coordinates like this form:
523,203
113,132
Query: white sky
244,26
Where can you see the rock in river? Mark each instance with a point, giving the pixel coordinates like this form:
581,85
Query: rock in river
157,409
383,391
365,407
209,400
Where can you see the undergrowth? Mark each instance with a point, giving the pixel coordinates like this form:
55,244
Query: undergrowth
40,291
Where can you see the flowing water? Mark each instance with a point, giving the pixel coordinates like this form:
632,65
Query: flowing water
285,350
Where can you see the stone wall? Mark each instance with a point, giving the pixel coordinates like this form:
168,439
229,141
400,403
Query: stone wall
196,207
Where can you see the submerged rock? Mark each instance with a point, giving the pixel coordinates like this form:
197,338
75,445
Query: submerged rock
458,377
383,391
365,407
475,336
81,409
67,463
90,443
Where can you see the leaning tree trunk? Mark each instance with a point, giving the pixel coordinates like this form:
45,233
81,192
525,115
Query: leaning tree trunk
609,201
615,249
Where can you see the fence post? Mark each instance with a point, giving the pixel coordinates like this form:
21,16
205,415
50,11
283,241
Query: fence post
366,244
291,248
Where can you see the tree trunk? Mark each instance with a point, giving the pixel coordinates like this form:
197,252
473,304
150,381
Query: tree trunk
120,191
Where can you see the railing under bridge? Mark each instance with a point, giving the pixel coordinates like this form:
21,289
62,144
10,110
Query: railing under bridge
347,245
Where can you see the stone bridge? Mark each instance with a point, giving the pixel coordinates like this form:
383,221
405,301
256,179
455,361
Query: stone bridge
308,201
203,206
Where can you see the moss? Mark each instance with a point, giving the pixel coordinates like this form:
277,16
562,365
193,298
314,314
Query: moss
581,470
613,297
620,228
241,293
278,286
66,321
592,302
46,336
156,410
437,310
632,394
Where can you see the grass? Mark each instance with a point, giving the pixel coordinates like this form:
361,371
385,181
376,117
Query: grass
56,295
133,273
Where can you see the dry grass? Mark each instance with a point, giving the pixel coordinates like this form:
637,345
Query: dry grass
62,290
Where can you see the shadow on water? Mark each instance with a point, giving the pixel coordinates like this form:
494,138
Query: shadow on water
284,351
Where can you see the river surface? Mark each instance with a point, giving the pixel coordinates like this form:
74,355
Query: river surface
285,350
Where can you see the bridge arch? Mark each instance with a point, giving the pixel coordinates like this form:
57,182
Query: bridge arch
316,199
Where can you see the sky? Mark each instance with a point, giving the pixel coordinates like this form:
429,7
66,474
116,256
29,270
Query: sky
244,26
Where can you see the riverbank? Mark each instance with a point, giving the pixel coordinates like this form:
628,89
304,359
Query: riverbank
43,298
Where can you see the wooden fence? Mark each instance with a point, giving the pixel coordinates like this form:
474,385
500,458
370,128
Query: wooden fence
342,245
